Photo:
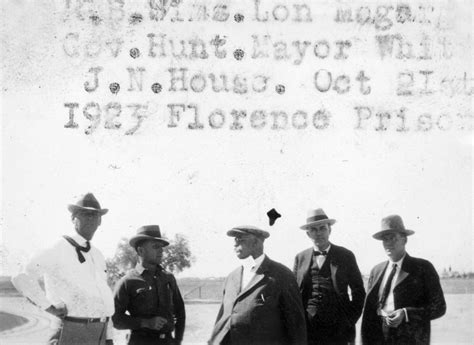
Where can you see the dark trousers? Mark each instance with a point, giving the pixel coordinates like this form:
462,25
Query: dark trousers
391,336
326,334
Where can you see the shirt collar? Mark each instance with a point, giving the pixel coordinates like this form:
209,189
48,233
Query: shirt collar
79,240
326,250
140,269
399,262
250,262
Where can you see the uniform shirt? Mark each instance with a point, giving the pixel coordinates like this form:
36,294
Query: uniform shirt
82,287
249,267
145,294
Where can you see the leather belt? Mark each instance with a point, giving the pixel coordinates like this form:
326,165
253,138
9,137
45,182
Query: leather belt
85,319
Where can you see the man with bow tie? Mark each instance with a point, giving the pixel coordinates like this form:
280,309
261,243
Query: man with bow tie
324,274
403,294
75,281
261,303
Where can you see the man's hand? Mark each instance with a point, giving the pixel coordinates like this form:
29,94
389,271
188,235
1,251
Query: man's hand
58,310
396,318
155,323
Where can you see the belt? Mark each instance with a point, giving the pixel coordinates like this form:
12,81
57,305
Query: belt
151,333
86,319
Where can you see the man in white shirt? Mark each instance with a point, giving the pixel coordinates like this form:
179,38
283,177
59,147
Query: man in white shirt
261,302
75,281
403,294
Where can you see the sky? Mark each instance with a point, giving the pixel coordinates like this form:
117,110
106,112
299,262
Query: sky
202,182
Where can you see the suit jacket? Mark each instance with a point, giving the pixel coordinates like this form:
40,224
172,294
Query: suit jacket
418,290
268,311
344,274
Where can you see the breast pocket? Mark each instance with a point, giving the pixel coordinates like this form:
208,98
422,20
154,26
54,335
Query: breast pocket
141,293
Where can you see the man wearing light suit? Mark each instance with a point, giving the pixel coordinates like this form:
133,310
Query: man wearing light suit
404,293
325,273
261,304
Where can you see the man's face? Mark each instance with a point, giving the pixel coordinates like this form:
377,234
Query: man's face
151,252
245,245
394,245
319,234
86,223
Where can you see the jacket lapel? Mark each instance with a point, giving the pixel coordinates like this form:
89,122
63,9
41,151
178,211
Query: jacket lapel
305,266
378,274
404,270
333,266
259,275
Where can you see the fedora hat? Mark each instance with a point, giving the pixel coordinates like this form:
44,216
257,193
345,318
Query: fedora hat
87,202
317,217
392,224
148,232
247,229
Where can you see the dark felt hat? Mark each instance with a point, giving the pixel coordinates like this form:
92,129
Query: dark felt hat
148,232
87,202
392,224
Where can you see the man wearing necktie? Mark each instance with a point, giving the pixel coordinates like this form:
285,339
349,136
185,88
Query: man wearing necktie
261,303
75,281
325,273
404,293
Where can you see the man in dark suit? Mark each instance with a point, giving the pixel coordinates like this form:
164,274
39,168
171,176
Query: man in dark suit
261,304
404,293
324,273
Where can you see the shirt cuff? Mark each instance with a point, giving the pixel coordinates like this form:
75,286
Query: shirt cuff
406,314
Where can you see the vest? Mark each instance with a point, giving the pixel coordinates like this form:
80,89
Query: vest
322,304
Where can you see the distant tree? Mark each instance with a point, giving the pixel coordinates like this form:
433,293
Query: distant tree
176,257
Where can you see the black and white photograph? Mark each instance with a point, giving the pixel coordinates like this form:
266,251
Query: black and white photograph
236,172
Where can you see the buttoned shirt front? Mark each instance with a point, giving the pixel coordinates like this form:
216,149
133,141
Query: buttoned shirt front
142,294
82,287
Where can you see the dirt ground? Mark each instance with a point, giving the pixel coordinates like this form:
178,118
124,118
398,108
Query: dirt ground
456,327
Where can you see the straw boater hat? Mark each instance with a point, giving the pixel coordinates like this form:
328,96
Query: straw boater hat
317,217
247,229
148,232
87,202
392,224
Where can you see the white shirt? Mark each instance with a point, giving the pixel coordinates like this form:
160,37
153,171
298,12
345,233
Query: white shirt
389,306
320,259
82,287
250,266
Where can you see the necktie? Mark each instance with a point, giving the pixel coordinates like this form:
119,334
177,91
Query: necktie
387,287
317,253
79,248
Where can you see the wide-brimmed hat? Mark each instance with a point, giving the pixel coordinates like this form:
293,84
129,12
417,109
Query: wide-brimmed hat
247,229
316,217
87,202
148,232
392,224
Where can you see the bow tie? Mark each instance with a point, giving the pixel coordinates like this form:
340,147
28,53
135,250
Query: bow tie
317,253
79,248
